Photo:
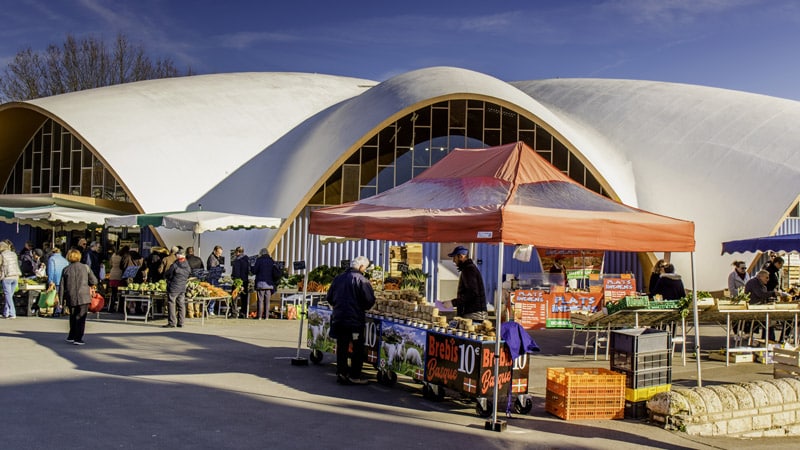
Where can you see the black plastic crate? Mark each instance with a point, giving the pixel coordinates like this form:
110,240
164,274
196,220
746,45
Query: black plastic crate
639,340
646,378
634,362
636,410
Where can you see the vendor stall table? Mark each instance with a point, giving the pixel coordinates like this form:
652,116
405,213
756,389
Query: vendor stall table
27,296
295,298
204,301
626,318
146,298
763,316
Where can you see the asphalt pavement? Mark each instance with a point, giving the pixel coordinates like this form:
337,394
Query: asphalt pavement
231,384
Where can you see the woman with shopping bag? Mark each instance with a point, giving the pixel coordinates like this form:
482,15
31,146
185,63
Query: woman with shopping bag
77,279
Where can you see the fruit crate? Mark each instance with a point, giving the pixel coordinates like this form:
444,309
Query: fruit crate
634,362
585,393
646,378
639,340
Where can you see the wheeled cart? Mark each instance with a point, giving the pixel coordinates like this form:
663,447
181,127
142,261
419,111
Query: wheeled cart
440,361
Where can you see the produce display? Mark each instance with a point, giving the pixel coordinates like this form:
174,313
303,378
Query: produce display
410,307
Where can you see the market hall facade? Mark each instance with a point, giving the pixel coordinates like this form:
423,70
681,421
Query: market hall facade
283,144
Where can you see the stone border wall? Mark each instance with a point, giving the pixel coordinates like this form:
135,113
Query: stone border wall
752,409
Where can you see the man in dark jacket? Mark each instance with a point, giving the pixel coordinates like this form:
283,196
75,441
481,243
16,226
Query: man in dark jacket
240,268
177,275
351,296
267,278
92,258
470,302
774,268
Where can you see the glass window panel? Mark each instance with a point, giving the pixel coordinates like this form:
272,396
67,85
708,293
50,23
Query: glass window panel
527,137
492,116
355,158
576,170
45,180
86,182
592,183
422,154
419,170
526,124
443,104
440,123
333,193
475,104
75,144
369,165
386,139
403,167
318,198
457,139
543,139
509,127
86,158
385,179
27,157
560,156
27,176
491,137
475,124
421,134
37,162
423,117
458,113
350,183
75,168
405,132
368,191
386,155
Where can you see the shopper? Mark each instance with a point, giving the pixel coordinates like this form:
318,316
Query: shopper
669,285
266,282
75,291
92,258
9,273
215,267
177,276
115,278
240,269
738,278
658,269
195,262
470,301
351,296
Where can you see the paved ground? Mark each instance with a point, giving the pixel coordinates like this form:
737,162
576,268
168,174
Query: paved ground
230,384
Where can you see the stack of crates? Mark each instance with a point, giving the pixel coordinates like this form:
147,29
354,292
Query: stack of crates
643,356
579,393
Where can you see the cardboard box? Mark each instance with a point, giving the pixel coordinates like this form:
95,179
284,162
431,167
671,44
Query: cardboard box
733,358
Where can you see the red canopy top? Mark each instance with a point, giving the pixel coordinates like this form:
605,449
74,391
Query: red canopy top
504,194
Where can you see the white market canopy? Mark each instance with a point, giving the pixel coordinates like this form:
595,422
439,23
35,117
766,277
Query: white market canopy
54,216
197,222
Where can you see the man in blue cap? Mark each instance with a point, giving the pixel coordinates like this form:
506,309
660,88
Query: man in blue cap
470,302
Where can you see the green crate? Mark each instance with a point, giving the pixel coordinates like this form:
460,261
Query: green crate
629,302
665,304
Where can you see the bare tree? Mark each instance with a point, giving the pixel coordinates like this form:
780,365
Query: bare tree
80,64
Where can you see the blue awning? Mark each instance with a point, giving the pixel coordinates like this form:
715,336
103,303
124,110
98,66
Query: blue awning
785,243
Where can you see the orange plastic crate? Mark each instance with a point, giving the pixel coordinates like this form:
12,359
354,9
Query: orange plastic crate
578,393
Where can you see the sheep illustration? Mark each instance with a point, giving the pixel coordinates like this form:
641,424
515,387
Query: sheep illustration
413,357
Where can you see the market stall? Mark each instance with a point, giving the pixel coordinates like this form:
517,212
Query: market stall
502,195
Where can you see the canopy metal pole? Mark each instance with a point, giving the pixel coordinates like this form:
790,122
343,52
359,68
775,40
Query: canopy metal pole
696,325
298,361
499,307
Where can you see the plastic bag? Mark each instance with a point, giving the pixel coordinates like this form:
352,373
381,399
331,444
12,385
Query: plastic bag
47,299
97,303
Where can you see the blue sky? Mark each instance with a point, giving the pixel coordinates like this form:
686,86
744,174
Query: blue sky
748,45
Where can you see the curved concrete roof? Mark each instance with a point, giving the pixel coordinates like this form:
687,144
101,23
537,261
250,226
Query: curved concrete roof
161,136
261,143
726,160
